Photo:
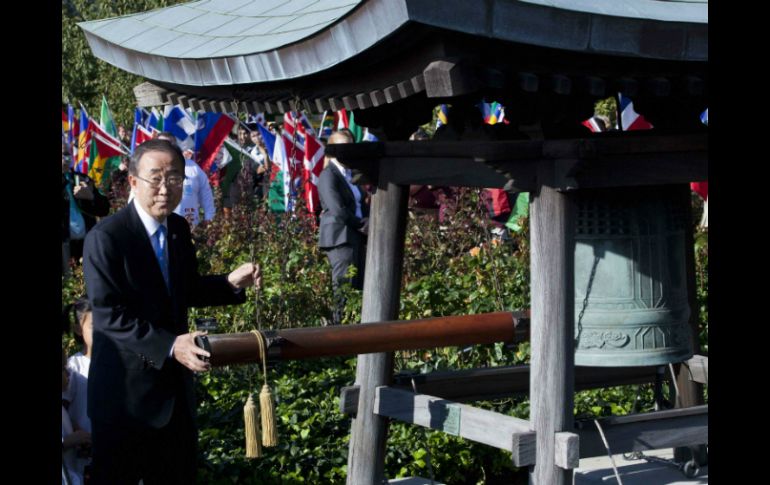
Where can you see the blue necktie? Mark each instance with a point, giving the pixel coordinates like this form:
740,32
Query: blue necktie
160,252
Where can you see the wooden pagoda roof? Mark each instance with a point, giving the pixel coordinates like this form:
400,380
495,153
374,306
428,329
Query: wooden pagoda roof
278,55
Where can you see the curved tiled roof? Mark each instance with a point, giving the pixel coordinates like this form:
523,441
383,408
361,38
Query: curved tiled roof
230,42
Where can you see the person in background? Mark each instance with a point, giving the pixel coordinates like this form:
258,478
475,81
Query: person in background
82,204
141,276
259,152
73,439
196,190
124,136
343,224
77,365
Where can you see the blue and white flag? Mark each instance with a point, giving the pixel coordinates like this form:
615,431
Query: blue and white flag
258,119
704,117
177,122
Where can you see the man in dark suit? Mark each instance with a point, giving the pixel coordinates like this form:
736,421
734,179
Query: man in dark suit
343,224
141,276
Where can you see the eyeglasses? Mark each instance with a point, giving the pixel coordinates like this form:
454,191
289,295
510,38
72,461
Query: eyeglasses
172,181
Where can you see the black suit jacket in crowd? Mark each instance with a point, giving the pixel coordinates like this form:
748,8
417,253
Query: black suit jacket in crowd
132,379
339,224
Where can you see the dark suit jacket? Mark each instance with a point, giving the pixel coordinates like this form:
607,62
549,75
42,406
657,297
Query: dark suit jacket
132,378
339,224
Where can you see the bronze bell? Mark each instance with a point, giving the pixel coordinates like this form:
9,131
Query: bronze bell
631,304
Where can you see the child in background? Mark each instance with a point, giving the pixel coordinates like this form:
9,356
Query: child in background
78,364
72,439
77,391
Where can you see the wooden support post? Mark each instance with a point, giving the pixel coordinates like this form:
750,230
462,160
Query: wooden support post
690,392
552,330
382,287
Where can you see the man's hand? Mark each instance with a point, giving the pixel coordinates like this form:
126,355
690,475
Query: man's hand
186,352
245,275
79,437
83,191
364,229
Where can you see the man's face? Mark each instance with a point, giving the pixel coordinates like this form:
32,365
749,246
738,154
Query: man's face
255,138
158,202
243,136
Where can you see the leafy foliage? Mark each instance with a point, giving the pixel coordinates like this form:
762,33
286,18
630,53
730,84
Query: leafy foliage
451,267
84,77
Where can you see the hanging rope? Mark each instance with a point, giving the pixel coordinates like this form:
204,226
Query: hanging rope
257,285
266,407
677,397
585,300
609,453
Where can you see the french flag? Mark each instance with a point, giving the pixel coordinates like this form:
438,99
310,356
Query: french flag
630,119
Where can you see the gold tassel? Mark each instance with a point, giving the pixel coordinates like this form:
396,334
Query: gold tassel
253,448
266,407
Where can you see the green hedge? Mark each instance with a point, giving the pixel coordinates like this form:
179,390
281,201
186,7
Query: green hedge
450,268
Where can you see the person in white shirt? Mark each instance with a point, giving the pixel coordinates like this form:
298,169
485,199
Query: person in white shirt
79,363
196,190
72,438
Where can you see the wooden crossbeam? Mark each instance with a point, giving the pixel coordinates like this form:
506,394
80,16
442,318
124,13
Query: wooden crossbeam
648,431
486,383
487,427
612,161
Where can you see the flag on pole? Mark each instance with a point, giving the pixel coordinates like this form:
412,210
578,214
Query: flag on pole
347,120
704,117
327,125
65,122
142,135
630,119
313,165
595,124
257,119
520,209
278,194
233,156
493,112
155,120
106,118
212,130
295,127
84,143
104,154
268,137
140,117
443,112
177,122
72,134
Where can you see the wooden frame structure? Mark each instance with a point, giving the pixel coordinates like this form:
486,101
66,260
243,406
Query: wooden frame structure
548,65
